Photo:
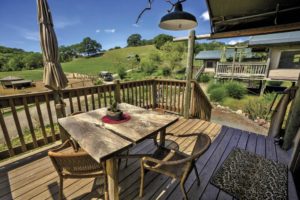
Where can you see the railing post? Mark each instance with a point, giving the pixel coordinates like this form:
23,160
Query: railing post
190,59
154,94
118,91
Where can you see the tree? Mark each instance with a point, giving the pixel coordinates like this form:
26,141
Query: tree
89,46
134,40
122,72
174,53
33,60
15,63
161,39
66,53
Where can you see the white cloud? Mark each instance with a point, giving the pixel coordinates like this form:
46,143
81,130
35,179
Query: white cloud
62,22
31,35
110,30
234,42
97,30
205,16
136,25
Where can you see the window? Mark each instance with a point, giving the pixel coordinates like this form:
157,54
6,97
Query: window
289,60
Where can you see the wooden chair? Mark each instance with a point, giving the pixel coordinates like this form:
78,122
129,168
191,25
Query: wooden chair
70,163
175,164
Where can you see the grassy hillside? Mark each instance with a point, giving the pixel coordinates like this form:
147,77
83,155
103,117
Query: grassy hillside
110,61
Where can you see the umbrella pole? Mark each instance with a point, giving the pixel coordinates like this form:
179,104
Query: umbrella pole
60,112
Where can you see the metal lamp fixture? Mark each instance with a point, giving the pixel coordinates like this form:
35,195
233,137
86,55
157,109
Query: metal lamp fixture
178,19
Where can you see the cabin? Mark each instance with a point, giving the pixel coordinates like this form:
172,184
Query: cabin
284,53
210,58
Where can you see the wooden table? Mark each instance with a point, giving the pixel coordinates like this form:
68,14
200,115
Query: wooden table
104,141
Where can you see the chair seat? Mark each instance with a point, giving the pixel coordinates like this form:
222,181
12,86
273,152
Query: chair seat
171,170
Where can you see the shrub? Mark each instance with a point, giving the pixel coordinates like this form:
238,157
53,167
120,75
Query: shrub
122,72
148,67
180,71
166,71
98,82
275,83
204,78
218,94
257,107
235,90
212,86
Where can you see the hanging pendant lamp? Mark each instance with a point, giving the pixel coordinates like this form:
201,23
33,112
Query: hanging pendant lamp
178,19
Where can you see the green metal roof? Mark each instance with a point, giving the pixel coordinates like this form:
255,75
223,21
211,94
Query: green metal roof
216,54
275,39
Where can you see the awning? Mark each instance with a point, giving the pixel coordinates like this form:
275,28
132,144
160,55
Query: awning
233,18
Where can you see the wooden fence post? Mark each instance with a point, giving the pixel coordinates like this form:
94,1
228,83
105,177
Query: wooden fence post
189,73
154,94
118,91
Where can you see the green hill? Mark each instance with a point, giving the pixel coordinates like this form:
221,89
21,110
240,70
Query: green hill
111,61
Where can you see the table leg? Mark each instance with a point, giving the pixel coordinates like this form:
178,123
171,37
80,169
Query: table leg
112,179
162,137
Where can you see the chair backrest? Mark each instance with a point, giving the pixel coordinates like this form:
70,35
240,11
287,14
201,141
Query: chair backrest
72,161
201,145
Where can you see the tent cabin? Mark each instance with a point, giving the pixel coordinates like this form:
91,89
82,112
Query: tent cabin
211,58
284,54
6,82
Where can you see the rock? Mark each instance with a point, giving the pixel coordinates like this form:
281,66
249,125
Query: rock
261,122
239,112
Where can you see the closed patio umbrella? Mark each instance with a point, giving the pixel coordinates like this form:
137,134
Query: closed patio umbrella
54,77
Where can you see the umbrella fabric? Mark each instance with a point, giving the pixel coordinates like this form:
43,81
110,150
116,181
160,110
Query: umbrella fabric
54,77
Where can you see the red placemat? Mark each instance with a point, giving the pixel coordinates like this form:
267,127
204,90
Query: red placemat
106,119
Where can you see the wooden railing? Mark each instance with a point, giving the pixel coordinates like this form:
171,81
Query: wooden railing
29,121
242,70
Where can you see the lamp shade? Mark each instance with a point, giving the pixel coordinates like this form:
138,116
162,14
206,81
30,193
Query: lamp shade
178,20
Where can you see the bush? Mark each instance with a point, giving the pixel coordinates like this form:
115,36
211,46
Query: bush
218,94
148,67
122,72
181,71
275,83
166,71
204,78
257,107
98,82
212,86
235,90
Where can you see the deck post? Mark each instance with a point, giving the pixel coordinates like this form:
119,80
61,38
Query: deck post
263,87
189,73
295,160
293,123
154,94
118,91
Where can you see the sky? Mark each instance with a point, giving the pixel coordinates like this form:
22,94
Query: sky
110,22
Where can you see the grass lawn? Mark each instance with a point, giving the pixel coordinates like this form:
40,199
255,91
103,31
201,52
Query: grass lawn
110,61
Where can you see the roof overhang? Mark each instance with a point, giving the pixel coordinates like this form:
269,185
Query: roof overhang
235,18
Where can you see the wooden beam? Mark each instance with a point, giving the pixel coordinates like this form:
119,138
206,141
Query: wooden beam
293,122
189,74
247,32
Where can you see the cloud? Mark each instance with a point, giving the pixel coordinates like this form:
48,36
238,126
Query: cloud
62,22
31,35
205,16
97,30
136,25
110,30
234,42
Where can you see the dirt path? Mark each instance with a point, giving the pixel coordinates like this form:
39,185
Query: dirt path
236,121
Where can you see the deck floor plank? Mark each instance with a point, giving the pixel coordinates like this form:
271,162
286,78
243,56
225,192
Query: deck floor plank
38,180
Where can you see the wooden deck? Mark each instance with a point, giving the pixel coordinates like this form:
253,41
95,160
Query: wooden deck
35,177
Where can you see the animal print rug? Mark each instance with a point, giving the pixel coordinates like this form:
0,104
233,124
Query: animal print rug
245,175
